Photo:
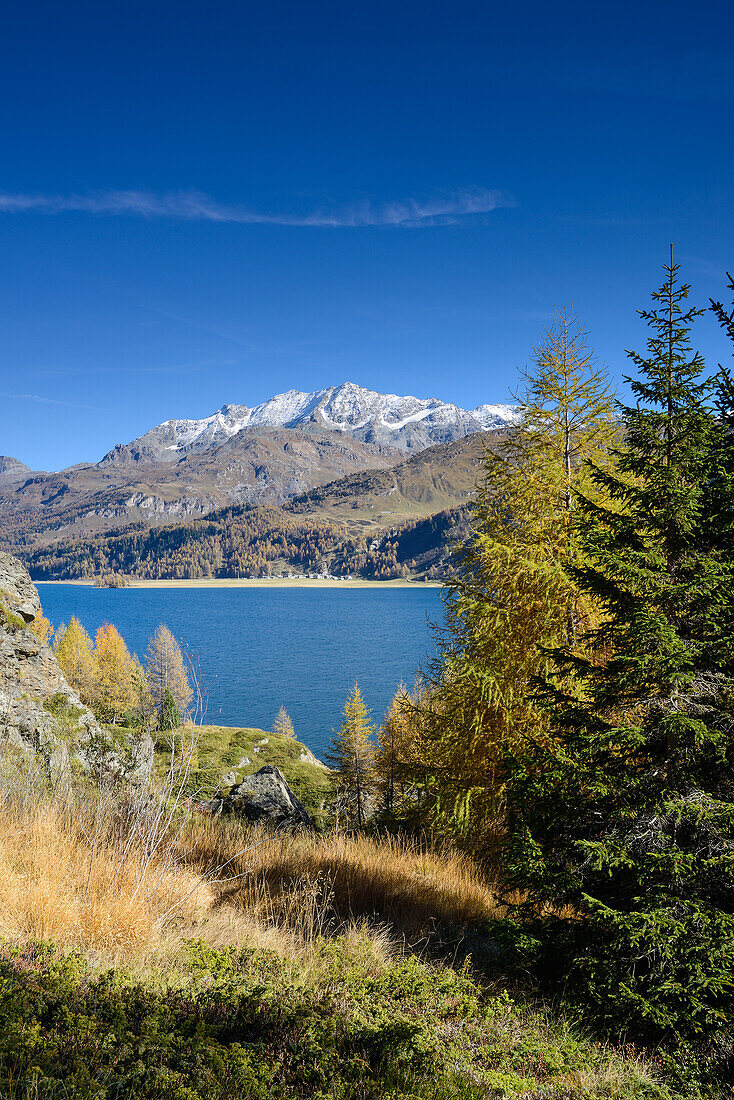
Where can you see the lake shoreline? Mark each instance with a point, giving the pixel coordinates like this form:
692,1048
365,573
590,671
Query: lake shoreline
261,647
257,582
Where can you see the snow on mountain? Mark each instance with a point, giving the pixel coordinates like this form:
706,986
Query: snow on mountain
495,416
406,423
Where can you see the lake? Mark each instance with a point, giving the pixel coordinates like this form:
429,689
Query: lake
262,648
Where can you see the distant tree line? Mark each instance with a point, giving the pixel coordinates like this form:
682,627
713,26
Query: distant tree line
249,541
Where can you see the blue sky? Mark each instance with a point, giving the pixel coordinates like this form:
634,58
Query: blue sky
214,202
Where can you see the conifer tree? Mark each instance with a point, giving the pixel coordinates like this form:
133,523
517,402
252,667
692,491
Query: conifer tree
351,754
114,690
283,724
144,706
623,821
166,671
512,597
170,714
73,649
725,317
720,485
392,761
42,628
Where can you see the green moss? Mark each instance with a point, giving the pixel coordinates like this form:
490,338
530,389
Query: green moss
15,622
120,737
59,705
66,715
220,749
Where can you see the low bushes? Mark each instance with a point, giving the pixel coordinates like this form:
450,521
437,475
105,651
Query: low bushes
352,1026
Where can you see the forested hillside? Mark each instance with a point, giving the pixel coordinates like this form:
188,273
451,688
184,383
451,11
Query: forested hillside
379,524
266,466
255,542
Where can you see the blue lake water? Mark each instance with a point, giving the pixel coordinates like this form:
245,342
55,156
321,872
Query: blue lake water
262,648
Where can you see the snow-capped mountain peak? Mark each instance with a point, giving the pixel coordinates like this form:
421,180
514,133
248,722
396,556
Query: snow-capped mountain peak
406,423
495,416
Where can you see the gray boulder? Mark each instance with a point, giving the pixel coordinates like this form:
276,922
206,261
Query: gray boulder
39,712
307,757
262,797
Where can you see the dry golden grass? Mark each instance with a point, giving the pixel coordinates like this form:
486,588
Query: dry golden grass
127,877
401,883
66,876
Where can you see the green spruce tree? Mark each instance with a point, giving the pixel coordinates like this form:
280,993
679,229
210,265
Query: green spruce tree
720,484
621,825
170,718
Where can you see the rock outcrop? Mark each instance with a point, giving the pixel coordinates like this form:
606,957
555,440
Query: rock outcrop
307,757
262,797
17,591
39,712
12,472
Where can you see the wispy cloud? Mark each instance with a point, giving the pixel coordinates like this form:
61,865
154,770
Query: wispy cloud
48,401
707,268
448,208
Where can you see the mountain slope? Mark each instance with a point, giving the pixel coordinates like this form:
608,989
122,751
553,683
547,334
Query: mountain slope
259,466
436,479
384,523
12,471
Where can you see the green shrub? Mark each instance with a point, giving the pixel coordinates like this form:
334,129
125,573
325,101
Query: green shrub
241,1024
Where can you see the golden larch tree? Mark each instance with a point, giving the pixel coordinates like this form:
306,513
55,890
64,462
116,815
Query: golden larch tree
42,628
512,597
283,723
351,755
394,763
74,652
166,671
145,705
115,690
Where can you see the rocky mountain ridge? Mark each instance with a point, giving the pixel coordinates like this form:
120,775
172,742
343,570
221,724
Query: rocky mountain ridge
12,471
265,455
405,423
